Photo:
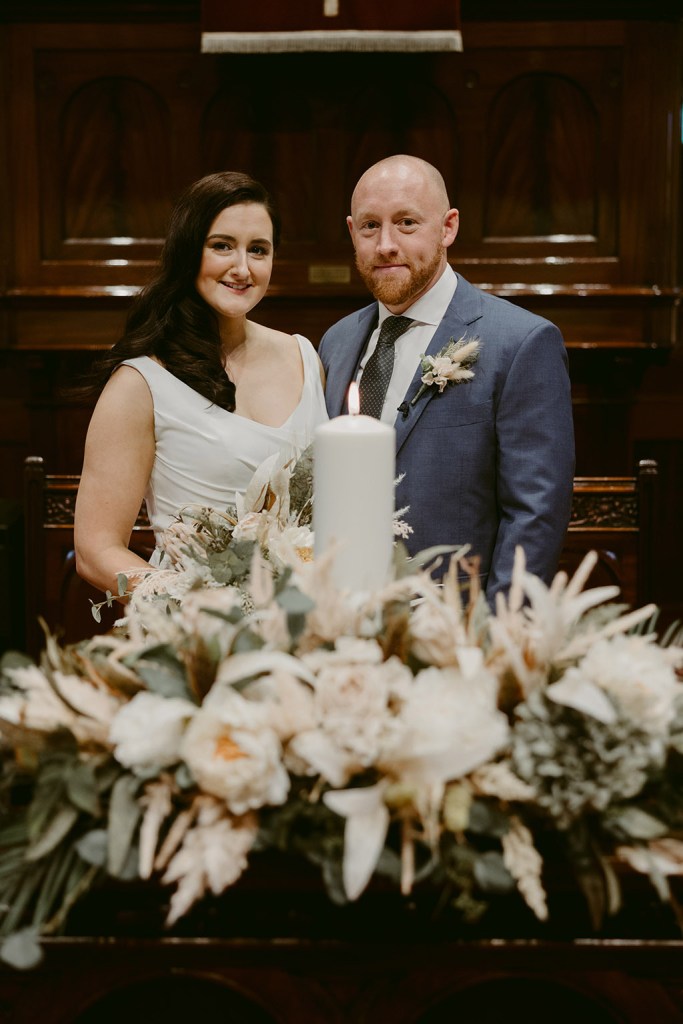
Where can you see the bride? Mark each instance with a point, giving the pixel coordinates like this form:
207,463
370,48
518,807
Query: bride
194,396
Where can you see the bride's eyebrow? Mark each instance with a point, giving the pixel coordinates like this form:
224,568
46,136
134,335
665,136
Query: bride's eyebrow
231,238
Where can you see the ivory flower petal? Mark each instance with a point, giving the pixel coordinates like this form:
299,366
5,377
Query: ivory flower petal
576,692
367,822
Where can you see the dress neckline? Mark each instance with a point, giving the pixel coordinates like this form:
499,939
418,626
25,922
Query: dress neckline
237,416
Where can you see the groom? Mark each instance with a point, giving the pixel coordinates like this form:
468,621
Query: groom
486,460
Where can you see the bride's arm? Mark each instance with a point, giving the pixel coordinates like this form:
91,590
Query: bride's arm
119,455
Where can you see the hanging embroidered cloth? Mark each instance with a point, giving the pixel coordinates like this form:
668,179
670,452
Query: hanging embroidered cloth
271,26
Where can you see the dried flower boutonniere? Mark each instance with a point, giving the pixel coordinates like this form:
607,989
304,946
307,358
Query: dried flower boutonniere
449,366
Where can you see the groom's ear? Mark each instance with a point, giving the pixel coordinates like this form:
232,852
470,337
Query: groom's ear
451,223
349,224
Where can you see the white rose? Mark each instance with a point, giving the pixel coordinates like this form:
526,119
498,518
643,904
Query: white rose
352,705
147,731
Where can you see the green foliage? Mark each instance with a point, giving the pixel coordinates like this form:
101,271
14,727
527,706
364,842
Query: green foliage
301,487
124,815
162,671
231,564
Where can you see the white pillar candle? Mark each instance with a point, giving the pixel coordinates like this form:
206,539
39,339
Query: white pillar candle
354,460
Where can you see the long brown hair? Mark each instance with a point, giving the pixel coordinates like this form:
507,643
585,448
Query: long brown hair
168,319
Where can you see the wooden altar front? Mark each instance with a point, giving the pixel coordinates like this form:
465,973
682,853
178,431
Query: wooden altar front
308,981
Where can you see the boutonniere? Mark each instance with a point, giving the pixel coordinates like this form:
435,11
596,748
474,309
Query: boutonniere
449,366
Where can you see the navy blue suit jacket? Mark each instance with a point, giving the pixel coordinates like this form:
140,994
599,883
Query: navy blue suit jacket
488,462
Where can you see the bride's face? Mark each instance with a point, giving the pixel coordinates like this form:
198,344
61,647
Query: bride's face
237,260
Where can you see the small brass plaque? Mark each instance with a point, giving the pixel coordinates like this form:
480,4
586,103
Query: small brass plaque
320,273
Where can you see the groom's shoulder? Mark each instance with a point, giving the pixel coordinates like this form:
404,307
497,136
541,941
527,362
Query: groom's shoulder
499,309
349,324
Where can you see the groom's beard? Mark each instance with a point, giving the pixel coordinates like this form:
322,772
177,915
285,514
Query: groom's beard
401,288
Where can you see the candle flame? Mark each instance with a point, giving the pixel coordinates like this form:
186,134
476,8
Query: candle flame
353,399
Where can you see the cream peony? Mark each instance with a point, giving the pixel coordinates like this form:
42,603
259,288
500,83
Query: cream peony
289,546
234,754
448,726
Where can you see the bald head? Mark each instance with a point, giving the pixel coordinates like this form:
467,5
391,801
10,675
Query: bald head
401,226
403,170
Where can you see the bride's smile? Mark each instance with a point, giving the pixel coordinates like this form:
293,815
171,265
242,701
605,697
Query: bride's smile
237,260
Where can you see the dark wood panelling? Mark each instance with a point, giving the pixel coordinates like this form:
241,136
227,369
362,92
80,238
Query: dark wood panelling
536,127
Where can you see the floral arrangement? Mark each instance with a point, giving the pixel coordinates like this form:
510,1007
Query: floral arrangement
451,365
245,703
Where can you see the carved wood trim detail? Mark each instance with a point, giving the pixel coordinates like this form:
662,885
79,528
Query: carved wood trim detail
60,503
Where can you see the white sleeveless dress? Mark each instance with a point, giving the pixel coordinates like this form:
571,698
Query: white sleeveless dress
206,455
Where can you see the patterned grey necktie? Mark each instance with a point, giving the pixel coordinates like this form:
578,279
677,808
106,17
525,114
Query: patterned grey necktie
379,367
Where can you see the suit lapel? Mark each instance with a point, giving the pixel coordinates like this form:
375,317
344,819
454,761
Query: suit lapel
346,367
464,309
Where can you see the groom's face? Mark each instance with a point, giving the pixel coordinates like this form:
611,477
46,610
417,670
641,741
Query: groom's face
400,232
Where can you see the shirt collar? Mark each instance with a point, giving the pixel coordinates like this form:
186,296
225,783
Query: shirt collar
431,307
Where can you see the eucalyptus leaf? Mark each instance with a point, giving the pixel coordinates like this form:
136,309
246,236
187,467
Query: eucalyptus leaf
52,887
47,796
428,555
486,819
11,864
403,563
294,602
588,871
232,563
334,882
124,814
612,887
22,895
295,626
246,641
163,673
81,788
491,874
129,871
638,824
60,825
22,949
14,833
389,865
233,616
15,659
93,847
183,776
107,774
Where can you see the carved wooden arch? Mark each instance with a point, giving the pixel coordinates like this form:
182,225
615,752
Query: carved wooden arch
542,160
113,169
